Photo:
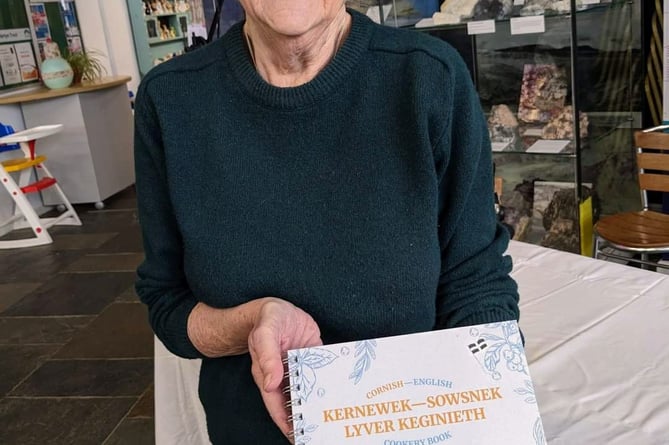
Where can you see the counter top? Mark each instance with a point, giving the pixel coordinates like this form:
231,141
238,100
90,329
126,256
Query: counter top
45,93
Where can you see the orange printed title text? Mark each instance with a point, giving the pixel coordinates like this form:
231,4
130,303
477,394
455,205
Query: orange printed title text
436,410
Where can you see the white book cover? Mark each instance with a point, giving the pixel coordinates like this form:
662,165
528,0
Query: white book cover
467,385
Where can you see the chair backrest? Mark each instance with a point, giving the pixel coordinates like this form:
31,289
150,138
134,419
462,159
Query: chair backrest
653,162
6,130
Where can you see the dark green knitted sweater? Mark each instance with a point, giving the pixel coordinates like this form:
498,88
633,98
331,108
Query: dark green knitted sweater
365,197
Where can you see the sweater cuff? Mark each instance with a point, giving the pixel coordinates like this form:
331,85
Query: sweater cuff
176,338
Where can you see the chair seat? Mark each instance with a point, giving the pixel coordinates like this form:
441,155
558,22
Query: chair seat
638,230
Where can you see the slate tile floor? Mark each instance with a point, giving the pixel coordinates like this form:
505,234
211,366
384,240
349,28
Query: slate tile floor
76,351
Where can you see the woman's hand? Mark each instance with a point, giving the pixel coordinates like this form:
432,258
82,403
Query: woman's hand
279,326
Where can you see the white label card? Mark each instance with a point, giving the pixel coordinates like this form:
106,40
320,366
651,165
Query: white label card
590,2
481,27
548,146
518,2
499,146
528,25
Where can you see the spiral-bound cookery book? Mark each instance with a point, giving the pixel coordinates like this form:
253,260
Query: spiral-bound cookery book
466,385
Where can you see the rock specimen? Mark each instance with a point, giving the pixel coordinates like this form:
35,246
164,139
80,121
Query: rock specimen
454,11
503,125
540,7
561,221
562,125
493,9
542,93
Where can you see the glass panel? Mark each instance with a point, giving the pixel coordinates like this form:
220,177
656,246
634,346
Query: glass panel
608,58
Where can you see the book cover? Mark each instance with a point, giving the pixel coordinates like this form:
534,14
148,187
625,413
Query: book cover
467,385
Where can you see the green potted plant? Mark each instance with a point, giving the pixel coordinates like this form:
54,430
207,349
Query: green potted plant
86,65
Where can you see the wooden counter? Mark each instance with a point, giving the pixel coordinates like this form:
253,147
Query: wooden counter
45,93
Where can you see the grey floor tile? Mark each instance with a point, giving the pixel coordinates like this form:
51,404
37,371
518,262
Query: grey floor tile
129,295
100,222
121,331
18,361
119,218
40,330
60,421
125,199
12,292
73,294
133,431
88,378
87,241
127,241
145,405
34,263
121,262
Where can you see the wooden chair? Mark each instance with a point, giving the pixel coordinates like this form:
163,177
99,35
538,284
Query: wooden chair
645,232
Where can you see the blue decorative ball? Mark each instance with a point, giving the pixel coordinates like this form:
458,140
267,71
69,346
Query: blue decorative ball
56,73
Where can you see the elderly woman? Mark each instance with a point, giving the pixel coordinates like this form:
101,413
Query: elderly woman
310,177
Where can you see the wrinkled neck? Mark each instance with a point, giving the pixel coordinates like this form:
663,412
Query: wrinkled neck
289,61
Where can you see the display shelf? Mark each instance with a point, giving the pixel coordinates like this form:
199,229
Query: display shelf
427,23
153,16
158,41
158,36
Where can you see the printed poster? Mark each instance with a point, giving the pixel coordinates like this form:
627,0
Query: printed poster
40,21
70,19
27,63
9,65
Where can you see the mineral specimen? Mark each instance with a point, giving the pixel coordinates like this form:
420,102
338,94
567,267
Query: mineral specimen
454,11
540,7
493,9
562,125
543,92
503,125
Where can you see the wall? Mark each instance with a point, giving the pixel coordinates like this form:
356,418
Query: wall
105,26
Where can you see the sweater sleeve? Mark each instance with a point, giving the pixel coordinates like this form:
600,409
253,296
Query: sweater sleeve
161,283
474,284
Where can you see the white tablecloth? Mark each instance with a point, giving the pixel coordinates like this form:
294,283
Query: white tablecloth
596,341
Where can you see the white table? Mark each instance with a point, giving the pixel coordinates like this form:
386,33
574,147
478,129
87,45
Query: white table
596,343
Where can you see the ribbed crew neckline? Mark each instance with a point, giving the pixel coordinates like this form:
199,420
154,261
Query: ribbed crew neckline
304,95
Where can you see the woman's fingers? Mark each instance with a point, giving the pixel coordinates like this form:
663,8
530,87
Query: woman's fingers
280,326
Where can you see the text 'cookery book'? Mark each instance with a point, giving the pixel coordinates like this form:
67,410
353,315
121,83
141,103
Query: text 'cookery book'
467,385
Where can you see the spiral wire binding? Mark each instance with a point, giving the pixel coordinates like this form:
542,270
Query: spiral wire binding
289,391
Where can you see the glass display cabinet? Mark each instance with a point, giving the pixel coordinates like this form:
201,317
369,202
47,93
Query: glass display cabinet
560,82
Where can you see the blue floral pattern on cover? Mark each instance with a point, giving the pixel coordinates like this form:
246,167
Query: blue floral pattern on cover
365,352
505,344
302,369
